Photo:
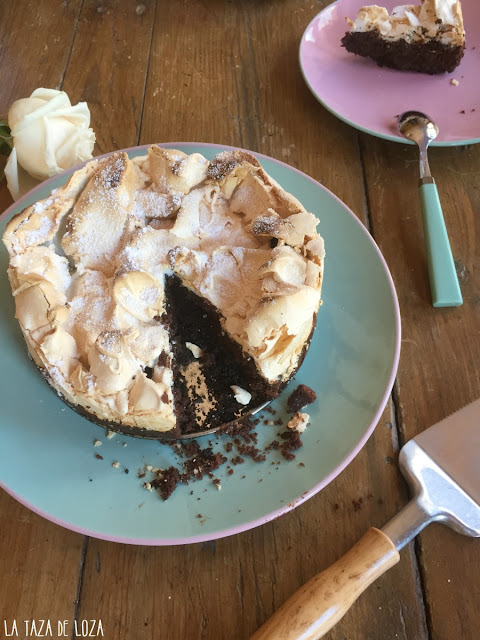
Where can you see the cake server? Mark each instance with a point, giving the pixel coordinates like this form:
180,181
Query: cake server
442,467
419,128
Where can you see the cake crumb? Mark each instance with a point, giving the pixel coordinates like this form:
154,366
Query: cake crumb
196,351
454,82
110,434
148,467
115,464
300,397
97,443
241,395
298,422
148,486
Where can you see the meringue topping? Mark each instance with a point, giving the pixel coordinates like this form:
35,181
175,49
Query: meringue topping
88,267
431,19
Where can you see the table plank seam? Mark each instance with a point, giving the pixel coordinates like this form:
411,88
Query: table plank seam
420,586
70,51
366,197
398,439
78,596
398,433
144,92
256,129
237,82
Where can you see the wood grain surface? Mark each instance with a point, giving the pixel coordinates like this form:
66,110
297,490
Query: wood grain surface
226,71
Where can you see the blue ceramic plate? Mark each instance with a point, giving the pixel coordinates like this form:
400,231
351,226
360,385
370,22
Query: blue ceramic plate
47,457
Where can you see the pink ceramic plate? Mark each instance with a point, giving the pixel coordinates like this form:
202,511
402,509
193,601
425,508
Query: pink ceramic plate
369,97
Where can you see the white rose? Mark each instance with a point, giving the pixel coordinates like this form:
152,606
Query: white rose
49,136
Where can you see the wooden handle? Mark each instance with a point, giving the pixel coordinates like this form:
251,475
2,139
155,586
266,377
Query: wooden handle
322,601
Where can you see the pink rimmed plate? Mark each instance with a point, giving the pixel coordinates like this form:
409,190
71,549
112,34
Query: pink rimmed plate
370,97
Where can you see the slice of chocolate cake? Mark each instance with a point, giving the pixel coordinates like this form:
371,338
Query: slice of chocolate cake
428,38
166,293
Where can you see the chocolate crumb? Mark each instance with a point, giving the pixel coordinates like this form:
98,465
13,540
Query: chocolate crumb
357,505
292,442
167,482
273,445
300,397
98,456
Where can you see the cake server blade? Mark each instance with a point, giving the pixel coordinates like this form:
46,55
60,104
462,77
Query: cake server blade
442,466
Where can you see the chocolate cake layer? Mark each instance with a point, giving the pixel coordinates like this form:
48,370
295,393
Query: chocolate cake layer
429,56
192,319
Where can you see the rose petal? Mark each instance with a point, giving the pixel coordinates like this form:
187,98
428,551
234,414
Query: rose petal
19,181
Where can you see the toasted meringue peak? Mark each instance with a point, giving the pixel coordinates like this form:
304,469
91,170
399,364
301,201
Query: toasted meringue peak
428,19
88,266
139,293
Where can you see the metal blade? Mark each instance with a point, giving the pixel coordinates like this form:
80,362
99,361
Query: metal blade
454,444
442,466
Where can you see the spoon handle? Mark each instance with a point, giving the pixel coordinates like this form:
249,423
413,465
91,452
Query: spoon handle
441,268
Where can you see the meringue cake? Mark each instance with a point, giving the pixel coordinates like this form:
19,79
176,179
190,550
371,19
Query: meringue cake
166,293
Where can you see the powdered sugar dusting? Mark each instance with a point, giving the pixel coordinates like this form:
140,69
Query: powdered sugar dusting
37,236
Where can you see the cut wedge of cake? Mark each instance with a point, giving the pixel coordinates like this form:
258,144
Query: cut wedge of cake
166,293
428,38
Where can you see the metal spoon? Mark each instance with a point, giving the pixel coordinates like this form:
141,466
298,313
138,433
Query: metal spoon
419,128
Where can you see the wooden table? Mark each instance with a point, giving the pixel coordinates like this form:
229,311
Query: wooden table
226,71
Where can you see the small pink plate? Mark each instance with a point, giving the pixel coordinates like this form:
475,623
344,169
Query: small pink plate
370,97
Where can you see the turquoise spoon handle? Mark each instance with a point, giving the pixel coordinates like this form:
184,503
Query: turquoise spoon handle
441,268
